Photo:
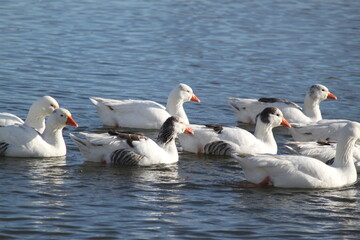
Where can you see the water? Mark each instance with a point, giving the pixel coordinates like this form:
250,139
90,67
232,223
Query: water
73,50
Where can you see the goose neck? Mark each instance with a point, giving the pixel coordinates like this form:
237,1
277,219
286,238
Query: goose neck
175,107
264,133
312,108
344,152
53,135
36,121
169,148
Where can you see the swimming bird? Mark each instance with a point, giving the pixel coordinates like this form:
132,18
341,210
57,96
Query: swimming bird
323,129
324,150
128,149
41,108
144,113
219,140
25,141
247,109
296,171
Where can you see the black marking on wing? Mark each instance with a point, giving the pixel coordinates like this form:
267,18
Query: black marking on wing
218,148
118,132
216,127
236,107
274,100
330,162
125,157
128,136
3,148
110,107
325,142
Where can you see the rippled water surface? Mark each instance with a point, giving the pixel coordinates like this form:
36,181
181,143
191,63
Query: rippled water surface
73,50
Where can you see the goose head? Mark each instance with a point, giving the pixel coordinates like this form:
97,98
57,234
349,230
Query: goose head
320,93
184,93
44,106
171,128
61,118
272,116
352,130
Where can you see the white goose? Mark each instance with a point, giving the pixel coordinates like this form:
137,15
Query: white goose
41,108
25,141
324,150
219,140
247,109
323,129
127,149
144,113
294,171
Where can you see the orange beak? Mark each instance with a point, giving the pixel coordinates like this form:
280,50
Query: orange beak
331,96
194,98
285,123
71,122
188,131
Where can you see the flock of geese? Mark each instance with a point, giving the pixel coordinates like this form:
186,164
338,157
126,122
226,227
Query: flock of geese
324,152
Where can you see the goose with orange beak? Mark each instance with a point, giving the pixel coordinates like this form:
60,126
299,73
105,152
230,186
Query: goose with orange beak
294,171
246,110
130,149
218,140
144,114
25,141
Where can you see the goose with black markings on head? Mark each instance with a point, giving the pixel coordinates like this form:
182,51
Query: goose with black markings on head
126,149
218,140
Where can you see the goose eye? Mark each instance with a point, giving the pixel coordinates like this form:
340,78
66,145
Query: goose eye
323,90
52,105
61,115
278,115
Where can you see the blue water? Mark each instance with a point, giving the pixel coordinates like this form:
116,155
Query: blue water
73,50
